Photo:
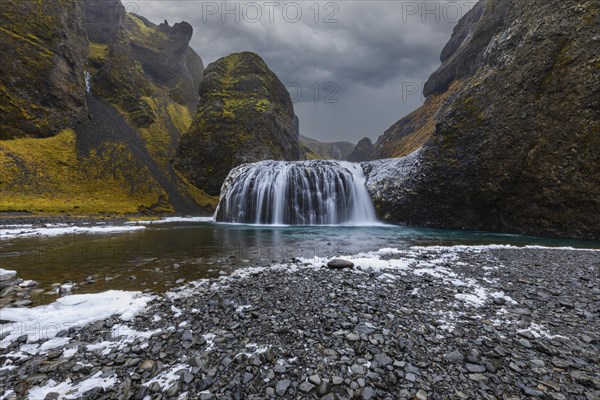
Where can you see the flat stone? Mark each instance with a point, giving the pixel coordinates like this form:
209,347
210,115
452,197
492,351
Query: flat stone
358,369
146,364
340,264
282,386
306,387
455,356
279,369
474,368
368,393
421,395
532,392
315,379
383,360
479,378
353,337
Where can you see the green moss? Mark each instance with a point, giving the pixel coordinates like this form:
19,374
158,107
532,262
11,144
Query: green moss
149,37
45,176
98,52
180,116
199,196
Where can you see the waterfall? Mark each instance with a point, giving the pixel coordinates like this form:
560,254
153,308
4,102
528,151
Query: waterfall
88,82
296,193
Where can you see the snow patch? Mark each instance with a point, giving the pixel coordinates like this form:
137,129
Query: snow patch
167,378
77,310
70,390
51,231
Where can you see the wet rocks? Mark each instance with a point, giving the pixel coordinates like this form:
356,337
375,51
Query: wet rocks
309,334
340,264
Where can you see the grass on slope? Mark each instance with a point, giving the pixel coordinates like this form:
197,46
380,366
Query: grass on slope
45,176
422,123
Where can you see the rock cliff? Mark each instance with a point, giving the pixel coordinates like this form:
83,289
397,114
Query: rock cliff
245,115
513,142
111,93
44,51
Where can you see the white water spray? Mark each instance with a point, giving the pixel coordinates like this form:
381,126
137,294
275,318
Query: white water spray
296,193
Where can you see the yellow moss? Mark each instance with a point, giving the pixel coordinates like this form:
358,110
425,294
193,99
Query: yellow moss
46,176
150,37
98,51
199,196
180,116
29,38
311,155
423,122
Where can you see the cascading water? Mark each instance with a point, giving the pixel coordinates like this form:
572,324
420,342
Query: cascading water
296,193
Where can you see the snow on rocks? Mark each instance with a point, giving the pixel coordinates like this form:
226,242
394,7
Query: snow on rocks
401,324
62,229
46,321
70,390
7,274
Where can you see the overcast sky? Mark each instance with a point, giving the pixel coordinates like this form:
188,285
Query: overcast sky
353,67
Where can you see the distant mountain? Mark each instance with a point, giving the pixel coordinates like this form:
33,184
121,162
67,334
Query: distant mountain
363,151
316,150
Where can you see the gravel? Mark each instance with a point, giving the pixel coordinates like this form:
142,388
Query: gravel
308,332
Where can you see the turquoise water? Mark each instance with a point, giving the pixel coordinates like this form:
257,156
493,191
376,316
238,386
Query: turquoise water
157,257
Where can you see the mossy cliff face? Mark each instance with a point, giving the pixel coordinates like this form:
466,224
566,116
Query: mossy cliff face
117,156
132,59
43,54
245,115
515,145
150,75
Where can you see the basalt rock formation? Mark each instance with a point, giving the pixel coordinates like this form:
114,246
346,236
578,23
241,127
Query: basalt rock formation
43,54
98,99
245,114
510,131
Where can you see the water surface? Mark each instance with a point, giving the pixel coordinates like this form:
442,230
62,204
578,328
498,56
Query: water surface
157,257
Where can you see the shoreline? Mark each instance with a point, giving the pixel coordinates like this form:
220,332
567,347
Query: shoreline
426,323
38,221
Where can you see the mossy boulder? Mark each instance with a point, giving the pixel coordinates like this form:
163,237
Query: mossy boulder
43,53
245,115
515,146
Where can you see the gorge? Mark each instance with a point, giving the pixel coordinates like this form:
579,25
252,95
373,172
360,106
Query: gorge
169,232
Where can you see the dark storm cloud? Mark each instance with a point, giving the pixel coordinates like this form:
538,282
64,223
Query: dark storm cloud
366,56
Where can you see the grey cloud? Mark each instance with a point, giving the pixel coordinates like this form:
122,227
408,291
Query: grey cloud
370,54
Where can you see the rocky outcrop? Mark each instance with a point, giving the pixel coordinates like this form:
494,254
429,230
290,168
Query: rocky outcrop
515,145
166,57
362,152
115,143
317,150
138,57
245,115
43,53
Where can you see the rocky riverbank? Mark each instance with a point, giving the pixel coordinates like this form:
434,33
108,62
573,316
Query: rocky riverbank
426,323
